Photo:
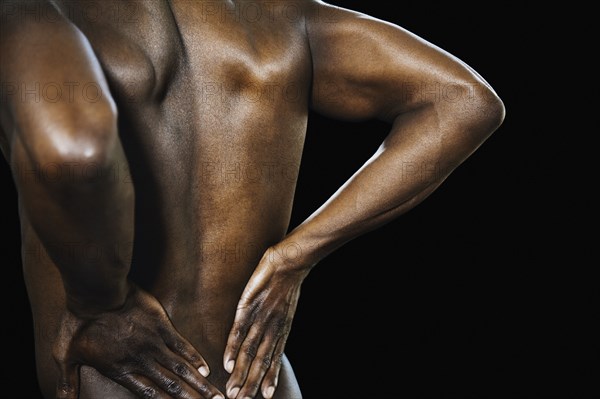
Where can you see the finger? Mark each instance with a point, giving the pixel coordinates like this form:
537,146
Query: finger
239,331
67,386
180,346
191,376
246,354
259,367
177,388
141,386
271,379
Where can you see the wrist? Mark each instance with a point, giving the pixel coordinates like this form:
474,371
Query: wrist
89,305
296,252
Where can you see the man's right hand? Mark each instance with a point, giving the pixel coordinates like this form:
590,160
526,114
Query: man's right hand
136,346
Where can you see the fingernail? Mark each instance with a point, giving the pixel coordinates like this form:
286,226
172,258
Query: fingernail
229,366
233,392
269,392
218,397
204,371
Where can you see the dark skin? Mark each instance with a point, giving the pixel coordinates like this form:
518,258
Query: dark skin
179,178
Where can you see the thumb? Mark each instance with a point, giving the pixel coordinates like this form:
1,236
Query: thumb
67,386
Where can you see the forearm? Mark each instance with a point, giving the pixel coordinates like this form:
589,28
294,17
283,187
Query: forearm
84,219
422,149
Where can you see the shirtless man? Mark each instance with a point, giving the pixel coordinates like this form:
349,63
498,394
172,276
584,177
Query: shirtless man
155,146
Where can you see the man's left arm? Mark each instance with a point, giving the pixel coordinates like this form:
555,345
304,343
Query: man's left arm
440,111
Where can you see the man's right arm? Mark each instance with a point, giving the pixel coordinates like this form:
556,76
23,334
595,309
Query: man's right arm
85,206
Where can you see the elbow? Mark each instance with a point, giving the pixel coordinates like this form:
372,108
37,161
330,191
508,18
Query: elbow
490,108
475,113
483,112
76,151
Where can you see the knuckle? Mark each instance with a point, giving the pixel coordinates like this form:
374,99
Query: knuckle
238,333
266,361
179,346
174,388
251,350
181,370
204,388
278,359
148,393
254,386
237,336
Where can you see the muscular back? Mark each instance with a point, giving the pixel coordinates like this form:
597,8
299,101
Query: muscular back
213,102
213,110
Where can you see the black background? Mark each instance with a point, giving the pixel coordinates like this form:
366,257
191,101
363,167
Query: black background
483,290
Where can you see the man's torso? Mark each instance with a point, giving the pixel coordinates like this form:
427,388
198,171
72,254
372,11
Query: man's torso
213,104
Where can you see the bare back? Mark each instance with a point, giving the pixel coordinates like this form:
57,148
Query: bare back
213,105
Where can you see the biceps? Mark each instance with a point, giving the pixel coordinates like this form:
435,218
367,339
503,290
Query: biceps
367,68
